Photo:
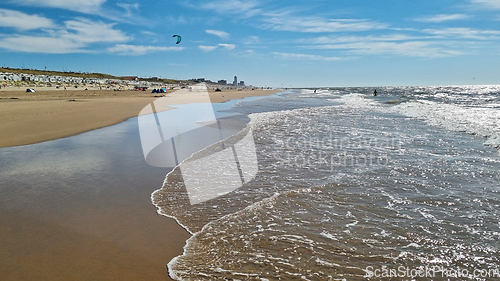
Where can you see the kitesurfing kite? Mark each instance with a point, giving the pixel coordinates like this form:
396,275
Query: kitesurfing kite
178,38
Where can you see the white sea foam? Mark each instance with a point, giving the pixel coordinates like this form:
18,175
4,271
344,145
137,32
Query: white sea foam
175,274
480,121
357,100
299,217
305,93
328,235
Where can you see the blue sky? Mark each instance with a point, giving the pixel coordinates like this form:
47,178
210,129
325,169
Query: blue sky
264,43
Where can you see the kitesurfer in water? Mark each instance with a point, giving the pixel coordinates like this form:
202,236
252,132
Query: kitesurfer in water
375,93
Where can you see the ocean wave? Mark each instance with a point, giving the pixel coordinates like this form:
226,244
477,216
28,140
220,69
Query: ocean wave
357,100
480,121
307,221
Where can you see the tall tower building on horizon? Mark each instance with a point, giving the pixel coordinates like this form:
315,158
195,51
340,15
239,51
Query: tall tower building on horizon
235,81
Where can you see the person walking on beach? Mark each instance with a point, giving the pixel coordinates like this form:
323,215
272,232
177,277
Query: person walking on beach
375,93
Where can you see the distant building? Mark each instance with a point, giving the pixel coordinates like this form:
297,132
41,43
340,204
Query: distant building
241,84
222,82
235,81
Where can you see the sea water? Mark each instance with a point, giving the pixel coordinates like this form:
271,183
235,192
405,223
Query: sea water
351,186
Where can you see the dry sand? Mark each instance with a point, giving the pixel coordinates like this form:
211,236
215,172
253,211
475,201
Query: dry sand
27,118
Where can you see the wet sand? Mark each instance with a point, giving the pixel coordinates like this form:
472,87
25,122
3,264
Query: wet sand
79,208
27,118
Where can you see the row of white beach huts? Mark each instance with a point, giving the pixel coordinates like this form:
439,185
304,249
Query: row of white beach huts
70,80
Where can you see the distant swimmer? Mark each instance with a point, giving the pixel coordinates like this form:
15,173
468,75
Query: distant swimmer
375,93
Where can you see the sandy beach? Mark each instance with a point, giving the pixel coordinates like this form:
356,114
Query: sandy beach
27,118
79,208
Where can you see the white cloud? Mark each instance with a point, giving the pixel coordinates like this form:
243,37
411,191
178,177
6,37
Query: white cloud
130,9
228,46
251,40
127,13
396,44
211,48
175,20
46,45
465,33
19,20
87,6
138,50
316,24
243,9
431,43
490,4
442,18
410,48
207,48
76,36
351,39
89,32
305,56
149,33
219,33
285,20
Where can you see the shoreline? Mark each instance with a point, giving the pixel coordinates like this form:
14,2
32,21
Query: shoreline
80,231
29,118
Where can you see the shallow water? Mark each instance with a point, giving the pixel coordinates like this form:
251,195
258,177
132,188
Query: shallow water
79,208
348,183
